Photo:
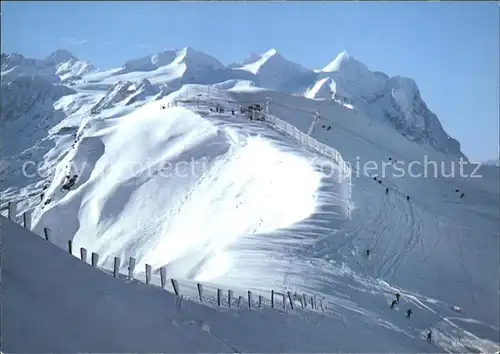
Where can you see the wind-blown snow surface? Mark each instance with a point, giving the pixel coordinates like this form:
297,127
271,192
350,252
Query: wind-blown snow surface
53,302
192,187
252,209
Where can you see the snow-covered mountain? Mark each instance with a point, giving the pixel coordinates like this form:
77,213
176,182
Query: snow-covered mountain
31,91
345,80
67,66
272,70
126,93
29,111
23,98
15,65
173,67
136,162
188,57
396,100
323,89
60,65
353,77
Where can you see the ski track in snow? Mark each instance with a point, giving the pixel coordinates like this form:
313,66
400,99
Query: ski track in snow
326,258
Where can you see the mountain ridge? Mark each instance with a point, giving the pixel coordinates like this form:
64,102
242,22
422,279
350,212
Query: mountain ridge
395,100
59,66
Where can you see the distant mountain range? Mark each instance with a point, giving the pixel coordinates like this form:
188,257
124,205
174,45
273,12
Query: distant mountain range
345,80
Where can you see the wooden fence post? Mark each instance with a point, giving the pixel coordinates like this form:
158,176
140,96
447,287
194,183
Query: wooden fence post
131,267
249,299
175,285
284,300
95,259
83,254
200,291
27,219
240,299
229,297
219,295
272,298
290,298
163,277
148,273
46,233
70,247
312,302
12,211
305,299
260,300
116,267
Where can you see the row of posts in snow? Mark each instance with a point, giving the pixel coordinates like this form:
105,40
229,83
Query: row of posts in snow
312,302
305,301
12,214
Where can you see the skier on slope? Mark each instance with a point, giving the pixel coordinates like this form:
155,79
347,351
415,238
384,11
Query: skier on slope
429,336
398,295
408,198
393,303
368,253
387,191
408,313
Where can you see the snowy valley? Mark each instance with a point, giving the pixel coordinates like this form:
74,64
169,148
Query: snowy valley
139,161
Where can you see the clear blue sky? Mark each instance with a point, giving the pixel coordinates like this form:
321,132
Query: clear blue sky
451,49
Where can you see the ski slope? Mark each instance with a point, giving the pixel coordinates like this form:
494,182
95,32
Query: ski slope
68,306
213,225
436,233
220,199
193,188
